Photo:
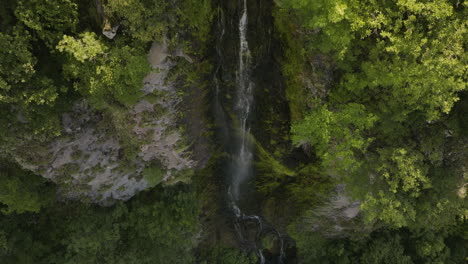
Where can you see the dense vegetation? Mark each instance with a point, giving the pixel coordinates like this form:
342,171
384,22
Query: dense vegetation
378,103
155,227
391,124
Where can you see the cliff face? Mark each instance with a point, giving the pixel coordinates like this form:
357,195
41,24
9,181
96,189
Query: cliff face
90,159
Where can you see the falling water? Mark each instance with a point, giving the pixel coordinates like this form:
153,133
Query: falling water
243,159
243,107
239,145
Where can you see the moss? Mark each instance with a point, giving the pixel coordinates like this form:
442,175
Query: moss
153,97
293,63
66,171
153,174
272,173
105,187
147,137
118,123
268,241
184,176
34,153
147,117
126,168
77,154
96,169
82,188
227,255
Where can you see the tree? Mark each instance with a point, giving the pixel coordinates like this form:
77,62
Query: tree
22,191
399,64
143,20
102,73
337,136
18,80
50,19
386,249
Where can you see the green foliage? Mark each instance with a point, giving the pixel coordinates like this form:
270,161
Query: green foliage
18,66
157,227
18,82
388,208
144,20
86,48
385,126
272,172
382,246
149,21
412,63
387,250
196,16
49,19
313,248
336,136
226,255
153,175
404,171
21,191
292,64
104,74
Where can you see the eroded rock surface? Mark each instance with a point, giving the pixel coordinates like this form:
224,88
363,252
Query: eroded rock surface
87,160
339,216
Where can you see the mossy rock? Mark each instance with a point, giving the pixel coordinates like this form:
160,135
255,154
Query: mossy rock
153,174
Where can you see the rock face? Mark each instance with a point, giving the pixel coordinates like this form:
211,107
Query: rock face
319,76
339,217
164,137
87,160
111,32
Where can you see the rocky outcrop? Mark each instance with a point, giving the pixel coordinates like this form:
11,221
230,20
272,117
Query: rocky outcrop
164,136
110,31
339,217
318,76
89,161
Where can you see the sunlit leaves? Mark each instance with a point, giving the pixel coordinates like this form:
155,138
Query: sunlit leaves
18,80
17,65
337,136
86,47
404,171
388,208
48,18
100,72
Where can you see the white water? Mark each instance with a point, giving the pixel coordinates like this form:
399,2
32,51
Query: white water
243,155
243,159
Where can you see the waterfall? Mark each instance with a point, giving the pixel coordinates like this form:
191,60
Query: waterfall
239,145
243,107
243,159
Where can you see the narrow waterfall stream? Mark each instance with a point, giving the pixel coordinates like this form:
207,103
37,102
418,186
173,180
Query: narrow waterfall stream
243,107
242,152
